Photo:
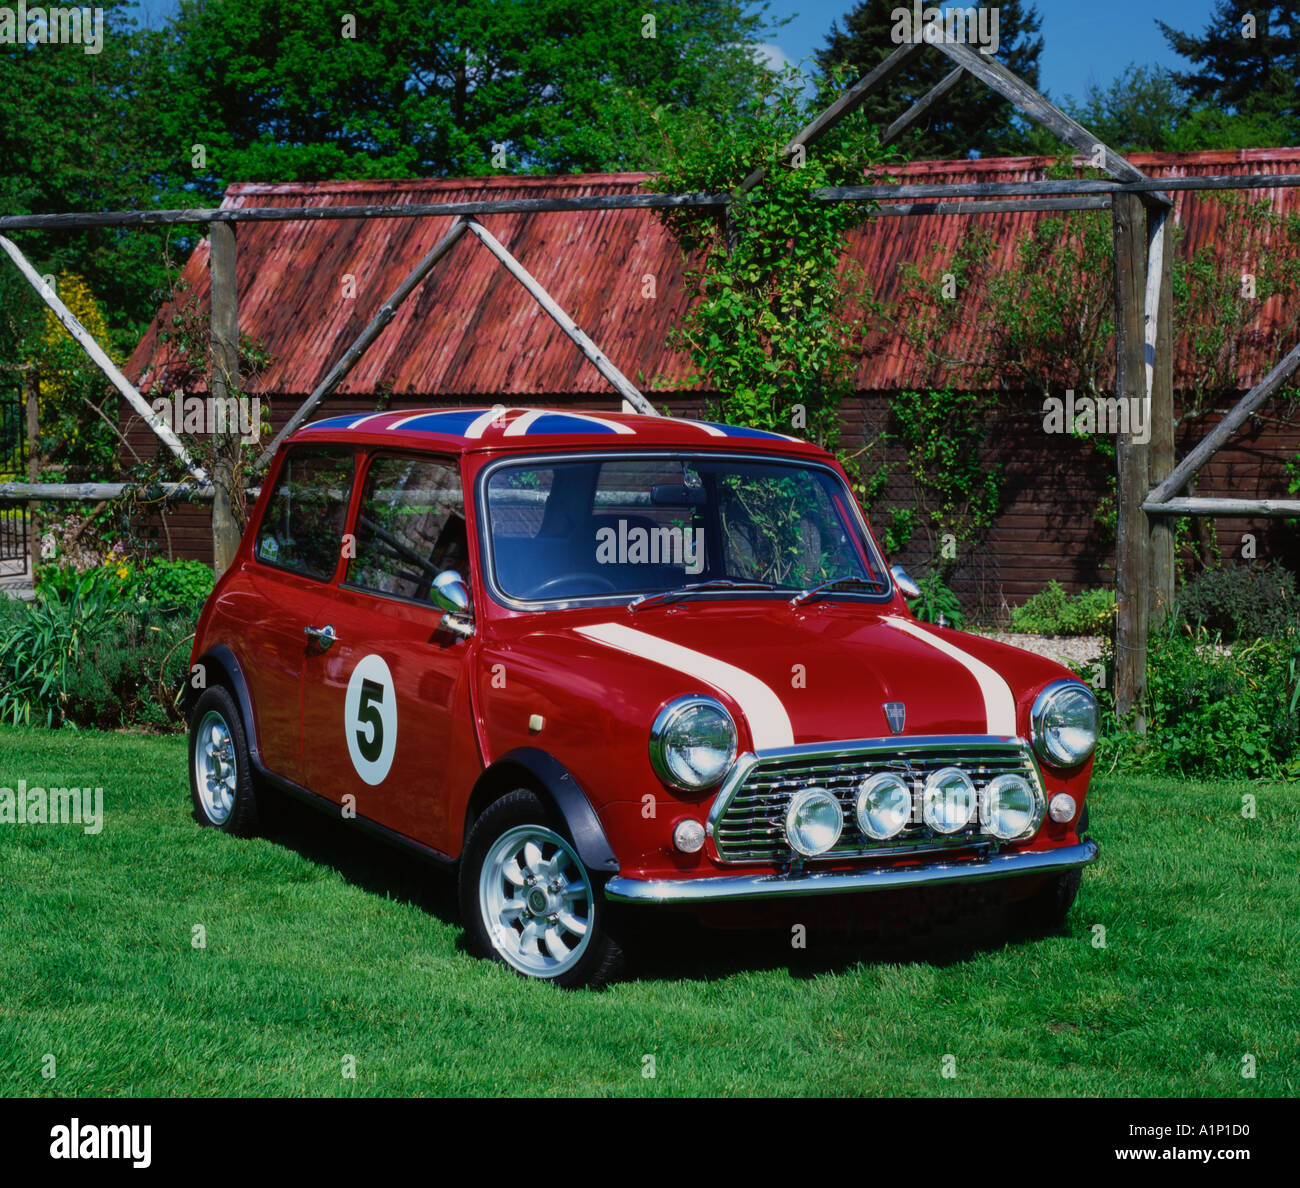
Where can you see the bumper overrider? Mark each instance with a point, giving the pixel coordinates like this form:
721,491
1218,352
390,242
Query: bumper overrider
744,824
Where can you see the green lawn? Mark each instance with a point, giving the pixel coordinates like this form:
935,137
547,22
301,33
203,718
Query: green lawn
321,946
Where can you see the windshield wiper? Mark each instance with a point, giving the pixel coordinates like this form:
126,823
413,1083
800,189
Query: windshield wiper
849,580
694,588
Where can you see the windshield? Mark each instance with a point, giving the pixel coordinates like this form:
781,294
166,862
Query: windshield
608,527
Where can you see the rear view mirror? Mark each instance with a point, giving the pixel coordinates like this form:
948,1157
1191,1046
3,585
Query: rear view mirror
677,495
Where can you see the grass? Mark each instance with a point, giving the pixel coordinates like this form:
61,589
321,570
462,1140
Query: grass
321,946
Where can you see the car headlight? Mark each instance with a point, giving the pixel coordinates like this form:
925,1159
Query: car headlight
692,742
1012,808
1064,723
948,801
884,806
813,822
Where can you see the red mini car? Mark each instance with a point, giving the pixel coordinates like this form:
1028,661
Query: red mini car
595,660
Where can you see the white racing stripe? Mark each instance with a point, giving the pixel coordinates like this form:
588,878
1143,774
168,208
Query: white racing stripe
768,722
476,427
999,704
519,426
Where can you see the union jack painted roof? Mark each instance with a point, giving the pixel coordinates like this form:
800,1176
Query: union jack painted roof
470,428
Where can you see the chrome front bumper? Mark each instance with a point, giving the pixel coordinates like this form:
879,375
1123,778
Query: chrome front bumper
736,887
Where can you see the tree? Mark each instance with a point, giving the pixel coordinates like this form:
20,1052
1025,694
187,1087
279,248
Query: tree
1247,61
79,132
970,117
1138,111
275,90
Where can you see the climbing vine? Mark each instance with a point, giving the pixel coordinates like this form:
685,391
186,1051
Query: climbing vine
774,323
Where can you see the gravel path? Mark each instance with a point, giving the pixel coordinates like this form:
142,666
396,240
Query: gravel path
1064,649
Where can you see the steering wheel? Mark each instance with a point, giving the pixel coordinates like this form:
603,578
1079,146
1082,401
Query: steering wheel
601,583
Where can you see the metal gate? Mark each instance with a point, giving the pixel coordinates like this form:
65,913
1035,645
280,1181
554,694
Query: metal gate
13,466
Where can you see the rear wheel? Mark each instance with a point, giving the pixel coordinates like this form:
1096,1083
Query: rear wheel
528,901
221,772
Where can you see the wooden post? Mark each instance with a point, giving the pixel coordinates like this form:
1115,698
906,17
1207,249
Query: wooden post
224,382
32,391
1132,539
1160,457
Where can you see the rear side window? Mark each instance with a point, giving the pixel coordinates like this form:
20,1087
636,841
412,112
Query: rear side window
410,528
302,529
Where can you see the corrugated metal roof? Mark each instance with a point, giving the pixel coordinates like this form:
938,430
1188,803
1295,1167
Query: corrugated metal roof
471,331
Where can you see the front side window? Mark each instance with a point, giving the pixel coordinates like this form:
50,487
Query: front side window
640,525
302,529
410,527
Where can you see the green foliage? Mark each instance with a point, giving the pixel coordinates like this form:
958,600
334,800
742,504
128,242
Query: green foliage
181,585
937,603
1242,602
41,644
771,325
1212,711
1054,612
1251,75
970,117
285,89
86,657
942,431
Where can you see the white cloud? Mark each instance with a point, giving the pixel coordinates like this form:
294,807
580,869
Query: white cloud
771,56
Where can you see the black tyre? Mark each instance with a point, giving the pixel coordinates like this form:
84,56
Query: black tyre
528,901
221,773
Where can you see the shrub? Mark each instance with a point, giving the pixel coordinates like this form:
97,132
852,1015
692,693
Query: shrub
1212,711
937,603
92,660
41,645
1054,612
1241,601
179,585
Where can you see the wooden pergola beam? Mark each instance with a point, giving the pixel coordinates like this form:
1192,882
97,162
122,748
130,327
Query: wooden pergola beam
374,328
1223,507
1132,557
922,105
1085,202
1218,437
76,220
624,386
1039,108
850,101
99,357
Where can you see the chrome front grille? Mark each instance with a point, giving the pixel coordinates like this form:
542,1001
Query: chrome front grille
747,821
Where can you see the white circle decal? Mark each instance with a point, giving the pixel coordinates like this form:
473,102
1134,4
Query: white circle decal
370,719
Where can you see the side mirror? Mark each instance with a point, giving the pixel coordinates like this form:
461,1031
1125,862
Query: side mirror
450,594
906,587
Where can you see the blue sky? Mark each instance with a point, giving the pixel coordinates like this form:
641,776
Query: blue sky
1083,40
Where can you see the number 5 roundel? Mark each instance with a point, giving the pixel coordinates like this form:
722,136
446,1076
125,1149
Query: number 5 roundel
370,716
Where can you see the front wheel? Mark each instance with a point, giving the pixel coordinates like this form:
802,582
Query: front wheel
221,772
528,901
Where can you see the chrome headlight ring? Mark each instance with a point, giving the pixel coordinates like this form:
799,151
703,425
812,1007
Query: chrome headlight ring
1064,724
692,742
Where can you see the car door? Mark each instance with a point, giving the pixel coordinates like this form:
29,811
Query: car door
380,705
297,553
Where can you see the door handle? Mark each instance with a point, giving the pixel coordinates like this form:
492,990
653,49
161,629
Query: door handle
322,635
